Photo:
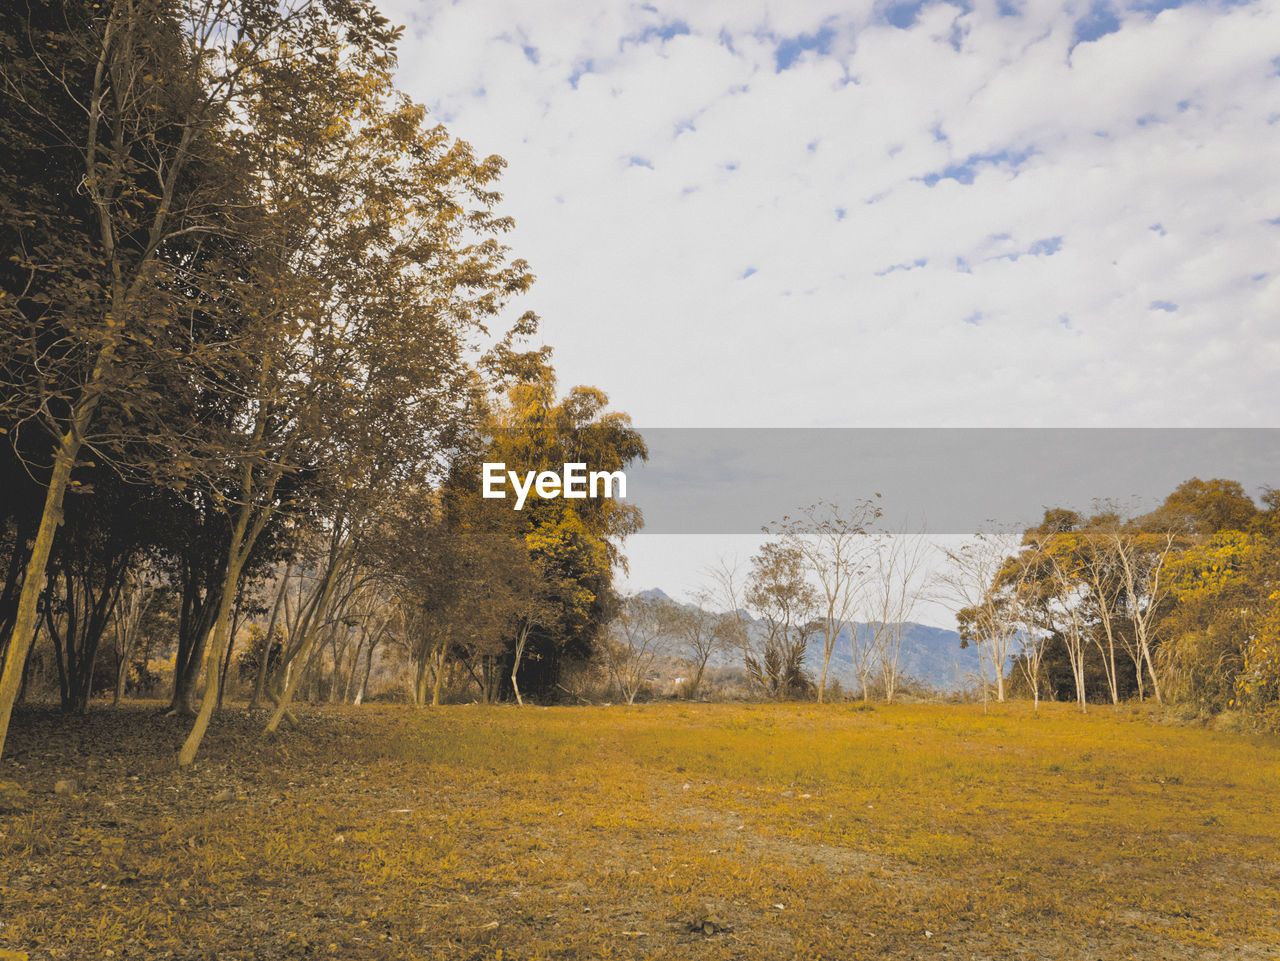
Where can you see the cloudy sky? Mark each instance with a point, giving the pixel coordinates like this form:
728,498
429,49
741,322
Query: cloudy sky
866,214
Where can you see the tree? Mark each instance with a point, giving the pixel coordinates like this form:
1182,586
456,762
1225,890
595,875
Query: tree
123,107
1221,626
779,591
1202,508
577,542
1098,568
700,631
142,602
380,267
727,592
1065,611
835,543
1219,601
988,616
94,551
1188,591
634,641
1257,687
550,600
896,584
1032,636
1141,557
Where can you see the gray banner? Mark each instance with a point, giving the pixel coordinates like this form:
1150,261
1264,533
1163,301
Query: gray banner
943,480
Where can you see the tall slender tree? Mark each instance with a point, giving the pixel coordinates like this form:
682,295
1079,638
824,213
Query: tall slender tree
122,186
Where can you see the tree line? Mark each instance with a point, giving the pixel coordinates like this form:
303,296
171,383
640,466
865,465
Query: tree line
253,348
826,575
1180,604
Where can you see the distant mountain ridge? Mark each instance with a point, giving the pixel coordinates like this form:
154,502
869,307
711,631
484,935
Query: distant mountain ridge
931,655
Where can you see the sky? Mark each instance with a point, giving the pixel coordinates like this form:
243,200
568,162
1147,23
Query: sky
860,214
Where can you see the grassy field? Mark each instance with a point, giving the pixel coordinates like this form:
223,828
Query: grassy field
663,831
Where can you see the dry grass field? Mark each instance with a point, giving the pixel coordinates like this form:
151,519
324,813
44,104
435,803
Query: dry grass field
662,831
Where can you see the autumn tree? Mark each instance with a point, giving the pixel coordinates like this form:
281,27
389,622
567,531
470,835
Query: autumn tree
1186,591
778,590
1065,613
125,292
1096,561
1200,509
575,541
1221,628
381,265
1145,579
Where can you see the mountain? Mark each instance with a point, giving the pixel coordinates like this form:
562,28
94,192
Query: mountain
657,594
931,655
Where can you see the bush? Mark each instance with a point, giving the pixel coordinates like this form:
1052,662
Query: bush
1257,688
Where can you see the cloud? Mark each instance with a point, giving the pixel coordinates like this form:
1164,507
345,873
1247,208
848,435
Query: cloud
760,213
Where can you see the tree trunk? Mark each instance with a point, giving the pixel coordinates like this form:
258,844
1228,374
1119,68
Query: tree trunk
1155,681
23,634
696,683
236,556
420,684
192,640
521,640
363,690
260,682
226,661
13,585
122,676
440,656
822,681
308,644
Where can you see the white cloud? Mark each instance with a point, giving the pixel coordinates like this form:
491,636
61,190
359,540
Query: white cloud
1036,194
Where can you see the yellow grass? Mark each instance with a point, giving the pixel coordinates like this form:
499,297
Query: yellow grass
806,831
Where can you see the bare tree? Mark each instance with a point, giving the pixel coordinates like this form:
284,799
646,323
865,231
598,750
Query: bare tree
700,631
898,583
1098,569
988,615
864,643
836,545
632,644
1066,608
1142,564
727,593
1031,641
